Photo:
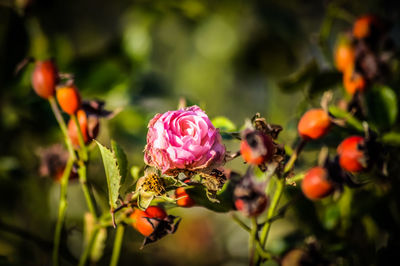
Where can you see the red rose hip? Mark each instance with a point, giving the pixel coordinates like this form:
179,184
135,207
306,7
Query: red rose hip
315,184
351,154
45,78
183,198
147,221
256,148
363,26
314,124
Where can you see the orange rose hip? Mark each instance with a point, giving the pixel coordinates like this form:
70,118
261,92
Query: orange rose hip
69,99
314,124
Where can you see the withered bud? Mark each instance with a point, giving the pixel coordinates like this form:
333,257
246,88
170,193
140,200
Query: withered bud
162,227
249,197
53,161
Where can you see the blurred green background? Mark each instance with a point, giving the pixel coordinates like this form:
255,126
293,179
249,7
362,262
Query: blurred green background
226,56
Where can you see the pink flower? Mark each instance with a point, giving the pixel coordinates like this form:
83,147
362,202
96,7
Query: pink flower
183,139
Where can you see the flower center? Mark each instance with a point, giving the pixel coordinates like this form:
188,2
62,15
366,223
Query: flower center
187,128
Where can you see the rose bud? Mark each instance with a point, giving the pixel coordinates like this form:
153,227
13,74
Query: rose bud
256,147
183,140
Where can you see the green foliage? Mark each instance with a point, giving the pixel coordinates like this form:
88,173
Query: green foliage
223,123
113,162
223,201
121,159
382,106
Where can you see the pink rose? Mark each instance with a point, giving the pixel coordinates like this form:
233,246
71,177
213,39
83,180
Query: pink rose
183,139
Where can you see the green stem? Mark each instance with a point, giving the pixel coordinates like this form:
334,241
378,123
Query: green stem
82,145
241,223
85,188
289,165
264,254
89,246
117,245
253,240
295,178
261,252
61,209
271,211
63,126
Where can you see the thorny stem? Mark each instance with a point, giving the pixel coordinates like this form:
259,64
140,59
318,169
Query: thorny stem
82,168
61,209
64,180
252,241
86,192
63,126
117,245
89,246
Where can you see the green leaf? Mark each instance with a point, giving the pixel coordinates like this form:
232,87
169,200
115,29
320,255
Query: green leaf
113,174
331,216
121,159
299,79
382,107
144,200
223,123
350,119
225,197
171,183
391,138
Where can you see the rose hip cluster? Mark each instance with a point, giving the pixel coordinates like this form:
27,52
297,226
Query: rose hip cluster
352,155
362,55
48,83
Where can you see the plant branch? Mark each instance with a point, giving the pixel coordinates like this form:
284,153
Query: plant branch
85,188
289,165
62,207
117,245
63,126
82,146
240,223
89,246
271,211
253,240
